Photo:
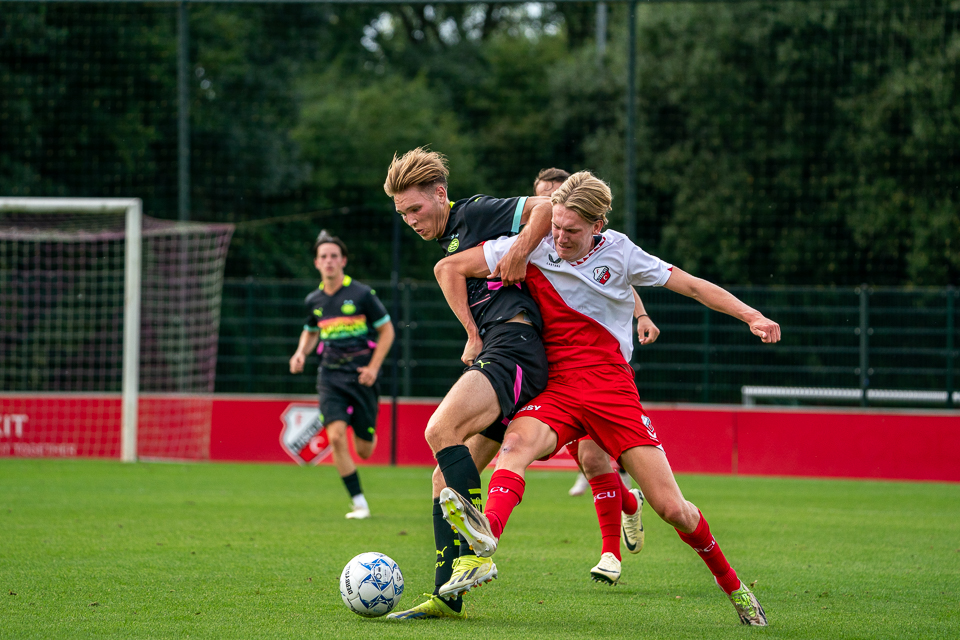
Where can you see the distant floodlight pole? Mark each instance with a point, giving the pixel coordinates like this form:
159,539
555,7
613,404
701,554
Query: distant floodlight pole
630,190
183,111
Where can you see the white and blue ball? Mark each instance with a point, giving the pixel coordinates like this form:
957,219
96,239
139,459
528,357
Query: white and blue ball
371,584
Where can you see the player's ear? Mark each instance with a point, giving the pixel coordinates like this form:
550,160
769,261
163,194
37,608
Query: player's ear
441,192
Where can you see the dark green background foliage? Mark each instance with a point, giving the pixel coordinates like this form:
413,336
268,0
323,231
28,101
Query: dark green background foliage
778,143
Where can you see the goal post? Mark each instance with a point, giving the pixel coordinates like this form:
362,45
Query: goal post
63,302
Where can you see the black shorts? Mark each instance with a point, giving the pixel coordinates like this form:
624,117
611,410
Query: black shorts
515,363
342,397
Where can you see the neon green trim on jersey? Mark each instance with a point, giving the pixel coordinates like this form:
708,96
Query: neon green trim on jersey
346,282
517,215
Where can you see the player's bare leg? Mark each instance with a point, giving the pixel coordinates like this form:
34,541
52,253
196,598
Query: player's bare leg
347,469
364,448
649,467
337,433
469,407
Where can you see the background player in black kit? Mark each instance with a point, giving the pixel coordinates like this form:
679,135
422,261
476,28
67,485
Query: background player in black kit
505,361
355,335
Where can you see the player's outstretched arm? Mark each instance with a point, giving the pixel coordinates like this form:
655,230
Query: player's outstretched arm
452,273
720,299
647,332
537,214
308,341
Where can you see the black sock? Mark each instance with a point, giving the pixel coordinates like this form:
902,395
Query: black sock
448,547
460,474
352,483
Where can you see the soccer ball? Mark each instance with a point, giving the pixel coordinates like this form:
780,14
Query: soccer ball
371,584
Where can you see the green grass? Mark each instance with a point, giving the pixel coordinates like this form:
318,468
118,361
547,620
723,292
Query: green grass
102,549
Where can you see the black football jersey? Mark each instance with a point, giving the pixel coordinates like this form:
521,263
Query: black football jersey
472,222
347,322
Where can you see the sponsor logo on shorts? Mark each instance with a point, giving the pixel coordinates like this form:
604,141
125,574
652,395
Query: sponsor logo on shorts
531,407
601,274
649,426
482,363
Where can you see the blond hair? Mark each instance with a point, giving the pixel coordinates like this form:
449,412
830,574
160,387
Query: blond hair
586,194
418,168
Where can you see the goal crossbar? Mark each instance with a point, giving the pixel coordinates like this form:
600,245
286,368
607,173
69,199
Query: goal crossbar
133,249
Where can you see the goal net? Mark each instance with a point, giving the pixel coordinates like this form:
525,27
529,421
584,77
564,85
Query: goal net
108,329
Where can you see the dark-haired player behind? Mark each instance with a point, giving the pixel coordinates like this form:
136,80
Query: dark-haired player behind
354,332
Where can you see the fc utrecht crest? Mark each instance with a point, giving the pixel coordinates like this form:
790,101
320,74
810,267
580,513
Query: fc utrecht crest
601,274
303,436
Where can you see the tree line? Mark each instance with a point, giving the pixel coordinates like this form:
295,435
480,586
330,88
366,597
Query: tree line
777,142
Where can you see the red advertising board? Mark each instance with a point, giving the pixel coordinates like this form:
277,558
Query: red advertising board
849,443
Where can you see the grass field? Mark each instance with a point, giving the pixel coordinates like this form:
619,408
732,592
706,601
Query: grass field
107,550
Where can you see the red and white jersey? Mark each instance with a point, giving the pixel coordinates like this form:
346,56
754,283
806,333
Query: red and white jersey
587,305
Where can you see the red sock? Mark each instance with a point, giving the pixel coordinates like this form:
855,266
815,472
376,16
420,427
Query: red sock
630,504
704,543
505,493
607,495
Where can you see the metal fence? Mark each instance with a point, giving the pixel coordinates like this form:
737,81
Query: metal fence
862,338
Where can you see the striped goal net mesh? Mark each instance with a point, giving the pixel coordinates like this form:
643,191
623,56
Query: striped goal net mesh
61,334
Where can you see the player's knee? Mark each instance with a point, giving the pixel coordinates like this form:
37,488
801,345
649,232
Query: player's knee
515,444
364,449
595,463
676,512
337,437
434,435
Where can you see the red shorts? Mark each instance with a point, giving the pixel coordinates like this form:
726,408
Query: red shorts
600,402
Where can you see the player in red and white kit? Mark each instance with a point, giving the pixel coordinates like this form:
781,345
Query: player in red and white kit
619,508
582,280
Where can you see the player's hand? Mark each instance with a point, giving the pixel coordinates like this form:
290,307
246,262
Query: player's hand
647,332
512,268
766,329
471,350
367,375
296,363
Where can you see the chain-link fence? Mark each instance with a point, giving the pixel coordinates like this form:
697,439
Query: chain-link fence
848,338
773,143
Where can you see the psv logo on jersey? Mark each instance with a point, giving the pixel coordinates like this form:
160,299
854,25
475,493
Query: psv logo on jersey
601,274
